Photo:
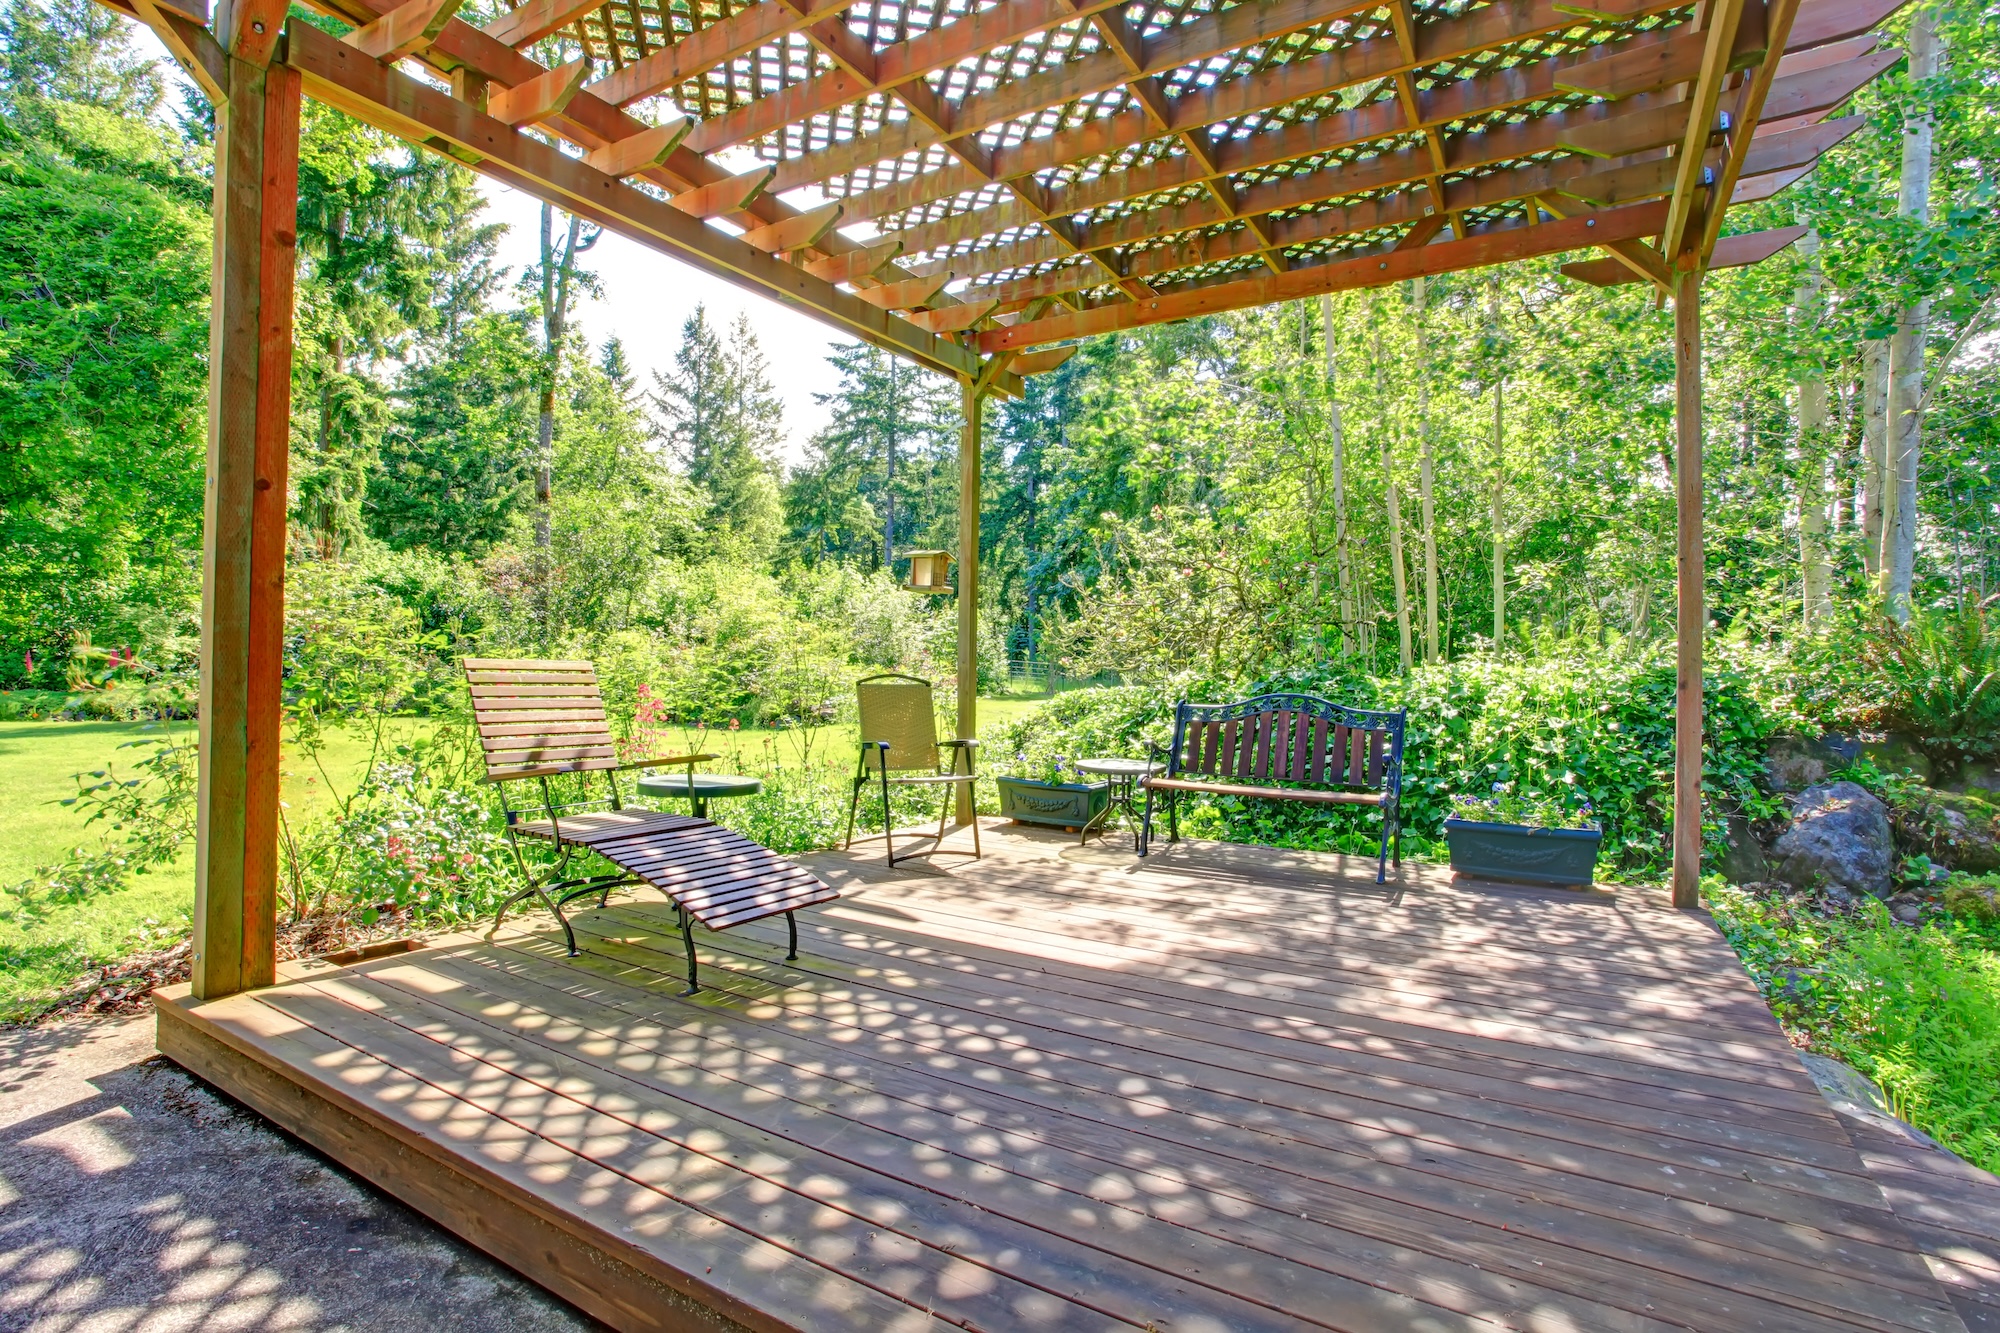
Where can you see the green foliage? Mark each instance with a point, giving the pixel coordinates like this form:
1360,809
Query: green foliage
1917,1009
1577,730
1507,803
1940,681
719,413
1120,722
453,468
103,342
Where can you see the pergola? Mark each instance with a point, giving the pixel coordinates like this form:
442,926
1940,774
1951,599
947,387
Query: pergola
972,185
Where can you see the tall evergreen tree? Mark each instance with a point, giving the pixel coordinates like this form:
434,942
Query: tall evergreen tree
720,415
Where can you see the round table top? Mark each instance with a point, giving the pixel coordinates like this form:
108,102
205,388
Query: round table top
705,785
1120,768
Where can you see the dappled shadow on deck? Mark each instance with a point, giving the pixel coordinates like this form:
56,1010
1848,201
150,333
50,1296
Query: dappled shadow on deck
1225,1088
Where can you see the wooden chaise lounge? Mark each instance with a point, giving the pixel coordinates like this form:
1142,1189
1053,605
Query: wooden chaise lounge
543,720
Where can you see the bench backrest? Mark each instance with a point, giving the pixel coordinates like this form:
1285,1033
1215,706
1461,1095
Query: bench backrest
537,719
1295,738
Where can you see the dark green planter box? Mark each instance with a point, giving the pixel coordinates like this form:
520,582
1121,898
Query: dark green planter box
1562,857
1061,804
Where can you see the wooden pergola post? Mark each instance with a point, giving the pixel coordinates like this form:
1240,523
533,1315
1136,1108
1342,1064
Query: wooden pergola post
1692,611
968,579
243,532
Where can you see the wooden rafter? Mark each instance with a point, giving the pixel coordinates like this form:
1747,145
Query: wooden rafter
1084,152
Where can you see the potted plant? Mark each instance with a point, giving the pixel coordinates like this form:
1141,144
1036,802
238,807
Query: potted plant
1523,838
1036,793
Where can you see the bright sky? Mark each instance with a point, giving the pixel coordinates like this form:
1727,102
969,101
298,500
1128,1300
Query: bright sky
647,297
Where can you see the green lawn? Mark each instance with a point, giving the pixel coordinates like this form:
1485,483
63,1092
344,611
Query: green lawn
41,956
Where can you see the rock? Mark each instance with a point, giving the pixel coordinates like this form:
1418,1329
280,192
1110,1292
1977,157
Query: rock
1839,839
1974,901
1977,777
1898,754
1906,907
1742,860
1793,763
1956,829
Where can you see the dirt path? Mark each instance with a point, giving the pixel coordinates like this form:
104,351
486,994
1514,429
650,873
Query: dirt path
134,1198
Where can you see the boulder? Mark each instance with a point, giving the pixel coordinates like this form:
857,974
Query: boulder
1839,839
1793,763
1965,831
1742,860
1978,777
1897,753
1969,898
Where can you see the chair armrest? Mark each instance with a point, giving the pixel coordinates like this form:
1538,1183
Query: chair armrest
969,745
667,762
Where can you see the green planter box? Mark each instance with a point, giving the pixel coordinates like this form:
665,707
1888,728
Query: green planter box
1562,857
1060,804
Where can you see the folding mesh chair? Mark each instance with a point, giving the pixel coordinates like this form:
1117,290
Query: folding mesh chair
899,737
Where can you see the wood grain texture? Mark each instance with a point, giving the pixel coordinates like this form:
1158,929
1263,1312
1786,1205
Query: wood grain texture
1228,1088
243,531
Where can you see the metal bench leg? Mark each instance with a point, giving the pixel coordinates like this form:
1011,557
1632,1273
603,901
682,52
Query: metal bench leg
792,929
1382,861
1146,826
687,940
1173,816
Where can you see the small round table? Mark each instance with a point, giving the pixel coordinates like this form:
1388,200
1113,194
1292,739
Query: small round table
1122,777
702,787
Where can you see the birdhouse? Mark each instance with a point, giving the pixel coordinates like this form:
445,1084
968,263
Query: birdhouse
930,571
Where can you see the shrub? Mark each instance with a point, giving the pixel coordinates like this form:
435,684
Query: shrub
1940,677
1575,728
1917,1009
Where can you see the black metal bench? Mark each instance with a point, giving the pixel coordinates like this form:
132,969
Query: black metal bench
1321,752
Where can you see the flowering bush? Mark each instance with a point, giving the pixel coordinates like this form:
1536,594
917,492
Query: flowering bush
422,846
1562,807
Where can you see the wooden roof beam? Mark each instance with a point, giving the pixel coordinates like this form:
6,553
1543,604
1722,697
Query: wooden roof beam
1636,257
588,121
717,44
404,30
1187,44
414,110
527,24
547,94
1722,17
1490,247
1387,170
1736,251
1318,76
1751,102
895,66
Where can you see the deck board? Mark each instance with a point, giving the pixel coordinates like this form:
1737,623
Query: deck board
1224,1089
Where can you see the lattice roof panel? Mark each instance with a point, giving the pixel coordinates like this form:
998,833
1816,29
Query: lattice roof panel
1089,151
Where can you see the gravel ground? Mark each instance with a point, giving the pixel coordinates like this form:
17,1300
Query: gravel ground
135,1198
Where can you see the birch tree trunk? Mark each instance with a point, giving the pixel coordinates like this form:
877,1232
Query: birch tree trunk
1906,347
1397,575
1874,451
1815,571
1424,490
1342,559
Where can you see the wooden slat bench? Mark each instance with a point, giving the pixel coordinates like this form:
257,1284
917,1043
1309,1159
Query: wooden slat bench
1285,747
546,719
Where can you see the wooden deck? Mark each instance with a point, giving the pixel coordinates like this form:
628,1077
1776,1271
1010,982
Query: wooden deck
1229,1090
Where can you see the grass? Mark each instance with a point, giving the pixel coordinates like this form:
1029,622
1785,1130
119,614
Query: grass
1916,1009
44,955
